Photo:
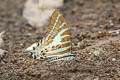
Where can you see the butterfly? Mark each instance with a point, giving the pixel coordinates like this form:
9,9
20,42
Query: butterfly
56,45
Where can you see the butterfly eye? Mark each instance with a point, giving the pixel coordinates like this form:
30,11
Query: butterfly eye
33,48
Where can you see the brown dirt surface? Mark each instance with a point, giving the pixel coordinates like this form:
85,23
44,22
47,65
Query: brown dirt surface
94,26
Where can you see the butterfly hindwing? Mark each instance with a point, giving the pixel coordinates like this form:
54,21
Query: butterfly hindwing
57,43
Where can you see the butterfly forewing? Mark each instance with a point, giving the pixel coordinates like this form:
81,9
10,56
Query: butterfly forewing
57,44
58,27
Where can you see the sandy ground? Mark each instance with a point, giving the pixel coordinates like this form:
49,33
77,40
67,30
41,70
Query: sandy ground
94,26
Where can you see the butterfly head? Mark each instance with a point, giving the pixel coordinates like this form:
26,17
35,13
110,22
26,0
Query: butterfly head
32,50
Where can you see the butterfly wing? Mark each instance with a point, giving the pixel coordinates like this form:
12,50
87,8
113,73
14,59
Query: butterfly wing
57,43
57,39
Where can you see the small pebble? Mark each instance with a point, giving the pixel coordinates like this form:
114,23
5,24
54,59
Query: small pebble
113,59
